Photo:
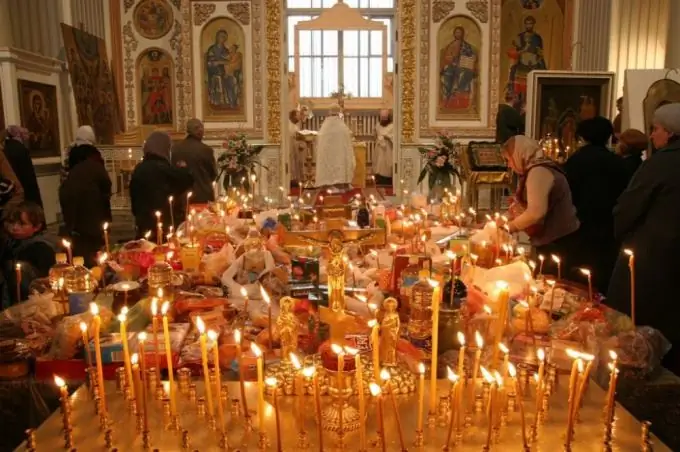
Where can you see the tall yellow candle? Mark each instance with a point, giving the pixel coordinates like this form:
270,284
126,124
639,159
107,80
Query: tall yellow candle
299,406
506,359
105,227
122,318
576,356
260,383
558,262
492,405
86,344
310,372
377,393
540,353
154,330
189,195
502,302
611,393
212,335
66,244
588,274
141,339
203,339
572,404
168,356
137,383
94,309
272,383
461,354
375,347
631,267
513,375
421,395
436,300
475,369
338,350
362,397
385,376
454,379
172,213
242,385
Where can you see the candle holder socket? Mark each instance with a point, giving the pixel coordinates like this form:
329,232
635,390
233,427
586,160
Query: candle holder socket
467,422
302,440
146,440
132,407
224,393
458,438
262,442
174,423
30,439
212,423
443,410
420,440
68,438
504,418
512,402
108,438
431,419
140,424
103,421
186,440
120,380
496,433
235,410
533,434
166,409
523,378
223,442
200,407
479,403
486,392
151,377
213,379
192,392
160,393
127,394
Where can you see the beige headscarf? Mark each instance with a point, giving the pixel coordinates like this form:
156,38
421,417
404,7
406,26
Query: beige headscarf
85,135
158,143
524,152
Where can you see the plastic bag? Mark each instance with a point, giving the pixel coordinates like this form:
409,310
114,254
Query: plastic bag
641,349
68,337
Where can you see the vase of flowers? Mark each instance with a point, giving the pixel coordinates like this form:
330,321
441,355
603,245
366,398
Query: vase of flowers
238,161
442,165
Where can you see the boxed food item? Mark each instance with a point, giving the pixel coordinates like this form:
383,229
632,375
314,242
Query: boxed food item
112,347
177,332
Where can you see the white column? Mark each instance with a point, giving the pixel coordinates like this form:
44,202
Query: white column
638,36
591,35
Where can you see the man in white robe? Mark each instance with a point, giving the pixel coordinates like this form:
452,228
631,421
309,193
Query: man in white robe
297,148
384,144
335,161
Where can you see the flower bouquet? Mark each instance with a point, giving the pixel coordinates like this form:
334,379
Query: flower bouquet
443,160
238,161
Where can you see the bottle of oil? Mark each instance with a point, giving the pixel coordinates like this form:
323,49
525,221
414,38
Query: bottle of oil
409,276
420,318
79,279
160,275
57,274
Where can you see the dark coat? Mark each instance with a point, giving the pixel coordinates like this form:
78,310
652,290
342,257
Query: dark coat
596,177
509,122
22,164
153,181
631,163
85,198
200,160
647,220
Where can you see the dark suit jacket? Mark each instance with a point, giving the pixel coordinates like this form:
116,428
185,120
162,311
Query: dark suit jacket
19,158
200,160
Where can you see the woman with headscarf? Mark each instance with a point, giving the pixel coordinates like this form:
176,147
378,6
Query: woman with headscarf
153,181
647,222
631,146
20,158
542,206
597,178
85,196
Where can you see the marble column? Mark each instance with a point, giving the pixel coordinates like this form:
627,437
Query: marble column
638,36
591,35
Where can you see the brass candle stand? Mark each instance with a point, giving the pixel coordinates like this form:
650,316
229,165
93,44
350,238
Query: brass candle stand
340,406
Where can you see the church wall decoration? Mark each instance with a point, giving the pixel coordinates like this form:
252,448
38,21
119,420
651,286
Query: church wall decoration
661,92
155,88
459,43
408,13
535,35
40,115
223,47
153,19
92,81
3,125
558,100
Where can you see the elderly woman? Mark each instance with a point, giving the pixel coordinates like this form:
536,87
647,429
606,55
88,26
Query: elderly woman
647,222
631,146
153,181
542,207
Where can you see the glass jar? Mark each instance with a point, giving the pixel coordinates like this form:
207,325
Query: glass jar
160,275
79,279
57,274
450,323
420,317
409,276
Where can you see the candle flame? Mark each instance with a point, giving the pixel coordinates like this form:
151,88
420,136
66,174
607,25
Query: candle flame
83,327
532,265
103,258
461,338
540,353
154,306
498,378
141,337
295,361
94,309
190,194
579,363
573,354
613,355
200,325
59,381
212,335
147,235
486,374
66,243
585,271
351,351
628,252
421,368
372,323
237,336
255,349
451,255
165,308
479,339
504,348
337,349
555,258
486,309
541,257
375,389
134,358
309,371
451,375
374,253
512,370
551,282
502,285
265,296
270,381
385,374
587,356
170,199
433,283
158,214
474,258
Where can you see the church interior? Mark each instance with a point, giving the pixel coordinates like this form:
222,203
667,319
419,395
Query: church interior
443,108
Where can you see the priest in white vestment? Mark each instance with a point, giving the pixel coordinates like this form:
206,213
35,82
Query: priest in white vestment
335,160
384,144
297,148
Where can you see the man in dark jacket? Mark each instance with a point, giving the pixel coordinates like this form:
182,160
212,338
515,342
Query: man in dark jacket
509,121
22,164
85,199
200,161
153,181
596,177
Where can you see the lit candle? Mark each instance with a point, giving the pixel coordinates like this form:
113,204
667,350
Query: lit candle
94,309
454,379
541,259
385,376
272,382
375,347
159,229
260,383
572,406
576,356
239,358
611,392
421,395
588,275
461,354
584,381
172,213
203,339
558,262
63,391
502,302
86,344
436,300
552,284
122,318
189,195
506,359
377,393
475,369
267,300
18,278
105,227
168,356
540,353
492,404
67,245
513,375
154,330
338,350
631,267
212,335
360,389
310,372
137,384
299,406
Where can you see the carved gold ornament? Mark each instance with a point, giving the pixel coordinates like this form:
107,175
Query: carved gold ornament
128,4
185,73
153,18
407,36
273,40
441,9
130,45
202,12
479,9
240,11
177,3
